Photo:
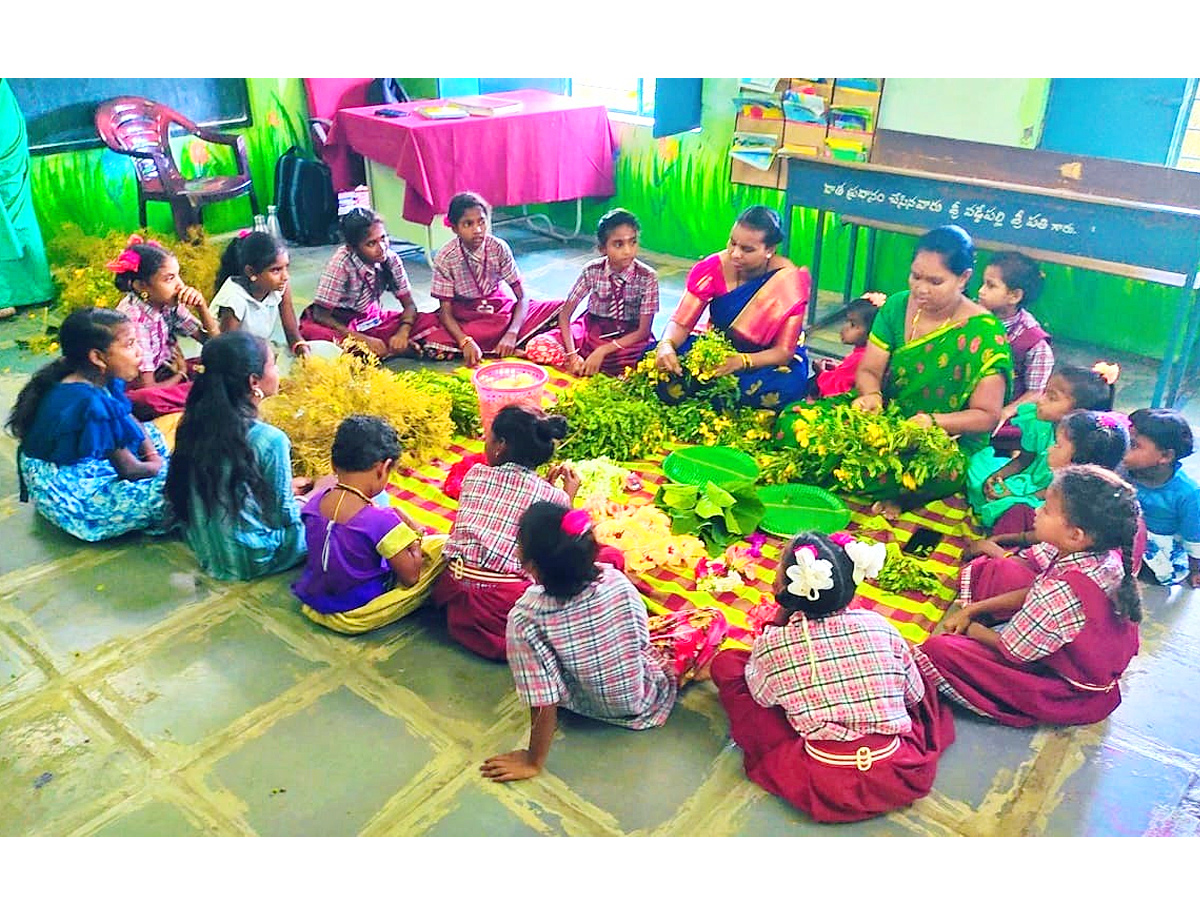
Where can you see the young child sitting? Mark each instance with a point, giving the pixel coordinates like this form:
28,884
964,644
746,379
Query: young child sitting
357,550
349,294
622,298
476,315
1011,281
995,483
1081,438
484,576
253,291
1069,635
829,708
1159,439
91,468
580,638
231,481
160,306
835,378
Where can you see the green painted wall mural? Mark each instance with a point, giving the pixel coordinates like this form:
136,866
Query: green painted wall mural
96,190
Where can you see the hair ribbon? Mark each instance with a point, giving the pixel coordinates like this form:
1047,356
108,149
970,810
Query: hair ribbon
577,523
127,261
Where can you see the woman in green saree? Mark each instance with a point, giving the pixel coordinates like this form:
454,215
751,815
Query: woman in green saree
937,356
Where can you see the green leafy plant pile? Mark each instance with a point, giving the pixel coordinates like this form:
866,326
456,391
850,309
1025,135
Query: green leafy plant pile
844,449
464,402
718,514
905,573
77,264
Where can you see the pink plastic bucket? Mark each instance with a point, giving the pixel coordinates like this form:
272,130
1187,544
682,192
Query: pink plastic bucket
501,383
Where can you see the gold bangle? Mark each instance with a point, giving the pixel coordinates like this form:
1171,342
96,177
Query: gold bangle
617,346
666,342
747,362
878,394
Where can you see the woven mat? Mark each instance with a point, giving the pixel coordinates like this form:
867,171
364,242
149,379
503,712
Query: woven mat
664,590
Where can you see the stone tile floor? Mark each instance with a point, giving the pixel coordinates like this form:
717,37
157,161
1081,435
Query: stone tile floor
140,697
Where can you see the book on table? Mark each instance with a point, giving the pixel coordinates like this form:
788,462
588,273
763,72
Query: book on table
489,105
442,111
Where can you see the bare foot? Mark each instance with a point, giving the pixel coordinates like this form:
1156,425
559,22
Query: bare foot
886,509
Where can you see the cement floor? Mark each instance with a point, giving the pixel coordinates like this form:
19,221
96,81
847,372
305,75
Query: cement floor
140,697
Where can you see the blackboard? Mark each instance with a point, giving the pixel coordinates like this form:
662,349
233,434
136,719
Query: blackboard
1136,235
59,112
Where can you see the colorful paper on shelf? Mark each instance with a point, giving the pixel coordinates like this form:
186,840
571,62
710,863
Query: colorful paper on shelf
764,107
765,85
754,149
803,107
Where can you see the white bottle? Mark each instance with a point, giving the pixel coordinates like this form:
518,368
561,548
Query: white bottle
260,224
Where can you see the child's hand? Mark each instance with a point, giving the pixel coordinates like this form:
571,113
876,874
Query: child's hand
592,364
515,766
570,478
824,365
471,353
374,344
507,344
575,365
398,343
984,547
958,621
189,296
178,362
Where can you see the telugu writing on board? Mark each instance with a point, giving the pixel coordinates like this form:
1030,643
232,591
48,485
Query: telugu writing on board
1147,237
979,213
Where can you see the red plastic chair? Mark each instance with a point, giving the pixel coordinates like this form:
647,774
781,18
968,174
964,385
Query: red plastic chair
138,127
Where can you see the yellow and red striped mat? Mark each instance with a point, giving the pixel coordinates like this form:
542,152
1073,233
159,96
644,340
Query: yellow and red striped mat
915,615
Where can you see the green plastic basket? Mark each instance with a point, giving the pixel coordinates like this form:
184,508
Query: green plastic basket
700,465
792,508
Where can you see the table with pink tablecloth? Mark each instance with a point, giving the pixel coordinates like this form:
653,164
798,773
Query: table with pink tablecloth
554,148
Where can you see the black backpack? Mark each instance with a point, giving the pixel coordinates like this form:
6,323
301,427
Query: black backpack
305,200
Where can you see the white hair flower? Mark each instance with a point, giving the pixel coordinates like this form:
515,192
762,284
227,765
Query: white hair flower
868,559
808,576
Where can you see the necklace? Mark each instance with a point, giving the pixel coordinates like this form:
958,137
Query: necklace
355,491
912,329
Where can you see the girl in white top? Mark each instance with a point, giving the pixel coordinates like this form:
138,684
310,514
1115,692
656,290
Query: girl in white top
253,293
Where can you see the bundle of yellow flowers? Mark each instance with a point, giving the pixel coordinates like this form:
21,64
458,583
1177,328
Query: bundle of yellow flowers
319,393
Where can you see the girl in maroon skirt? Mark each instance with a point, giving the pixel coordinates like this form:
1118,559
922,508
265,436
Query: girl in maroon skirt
622,298
477,315
1070,634
829,708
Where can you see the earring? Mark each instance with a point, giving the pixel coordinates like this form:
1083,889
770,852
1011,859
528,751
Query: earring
254,278
145,295
257,392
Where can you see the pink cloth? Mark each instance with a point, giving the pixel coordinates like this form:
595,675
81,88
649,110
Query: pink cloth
555,148
840,378
325,97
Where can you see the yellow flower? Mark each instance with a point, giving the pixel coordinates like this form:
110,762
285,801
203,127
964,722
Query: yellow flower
841,475
908,481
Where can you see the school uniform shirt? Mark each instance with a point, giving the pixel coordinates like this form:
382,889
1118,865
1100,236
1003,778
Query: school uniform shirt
350,283
626,295
864,677
458,272
490,507
157,329
590,654
1039,359
1173,509
258,317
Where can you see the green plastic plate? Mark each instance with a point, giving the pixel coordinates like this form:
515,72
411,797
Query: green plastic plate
792,508
700,465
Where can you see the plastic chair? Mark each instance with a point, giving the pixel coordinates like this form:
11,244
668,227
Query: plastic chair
137,127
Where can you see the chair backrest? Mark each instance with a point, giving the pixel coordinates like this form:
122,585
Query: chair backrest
136,124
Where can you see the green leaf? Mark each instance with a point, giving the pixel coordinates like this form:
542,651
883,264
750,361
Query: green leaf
706,508
718,495
685,523
747,514
679,496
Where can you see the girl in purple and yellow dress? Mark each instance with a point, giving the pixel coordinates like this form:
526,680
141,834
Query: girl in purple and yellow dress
367,565
757,299
477,315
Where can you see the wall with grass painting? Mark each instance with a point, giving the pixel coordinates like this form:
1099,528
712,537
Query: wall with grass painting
96,190
679,187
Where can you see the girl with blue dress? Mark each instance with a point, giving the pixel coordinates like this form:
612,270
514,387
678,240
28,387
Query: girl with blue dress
89,466
231,479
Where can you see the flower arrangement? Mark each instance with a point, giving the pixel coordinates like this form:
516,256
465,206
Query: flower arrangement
319,393
844,449
643,533
601,479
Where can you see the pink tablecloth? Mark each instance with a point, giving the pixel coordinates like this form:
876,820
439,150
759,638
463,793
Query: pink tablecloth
555,148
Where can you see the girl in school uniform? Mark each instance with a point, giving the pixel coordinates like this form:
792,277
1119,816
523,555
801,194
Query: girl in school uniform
1070,634
622,298
253,291
477,315
231,481
368,565
347,300
829,708
161,307
579,638
91,468
484,576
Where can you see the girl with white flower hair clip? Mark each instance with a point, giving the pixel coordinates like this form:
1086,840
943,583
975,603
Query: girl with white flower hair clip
829,707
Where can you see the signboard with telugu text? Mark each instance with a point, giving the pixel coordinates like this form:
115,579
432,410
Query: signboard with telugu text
1148,237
